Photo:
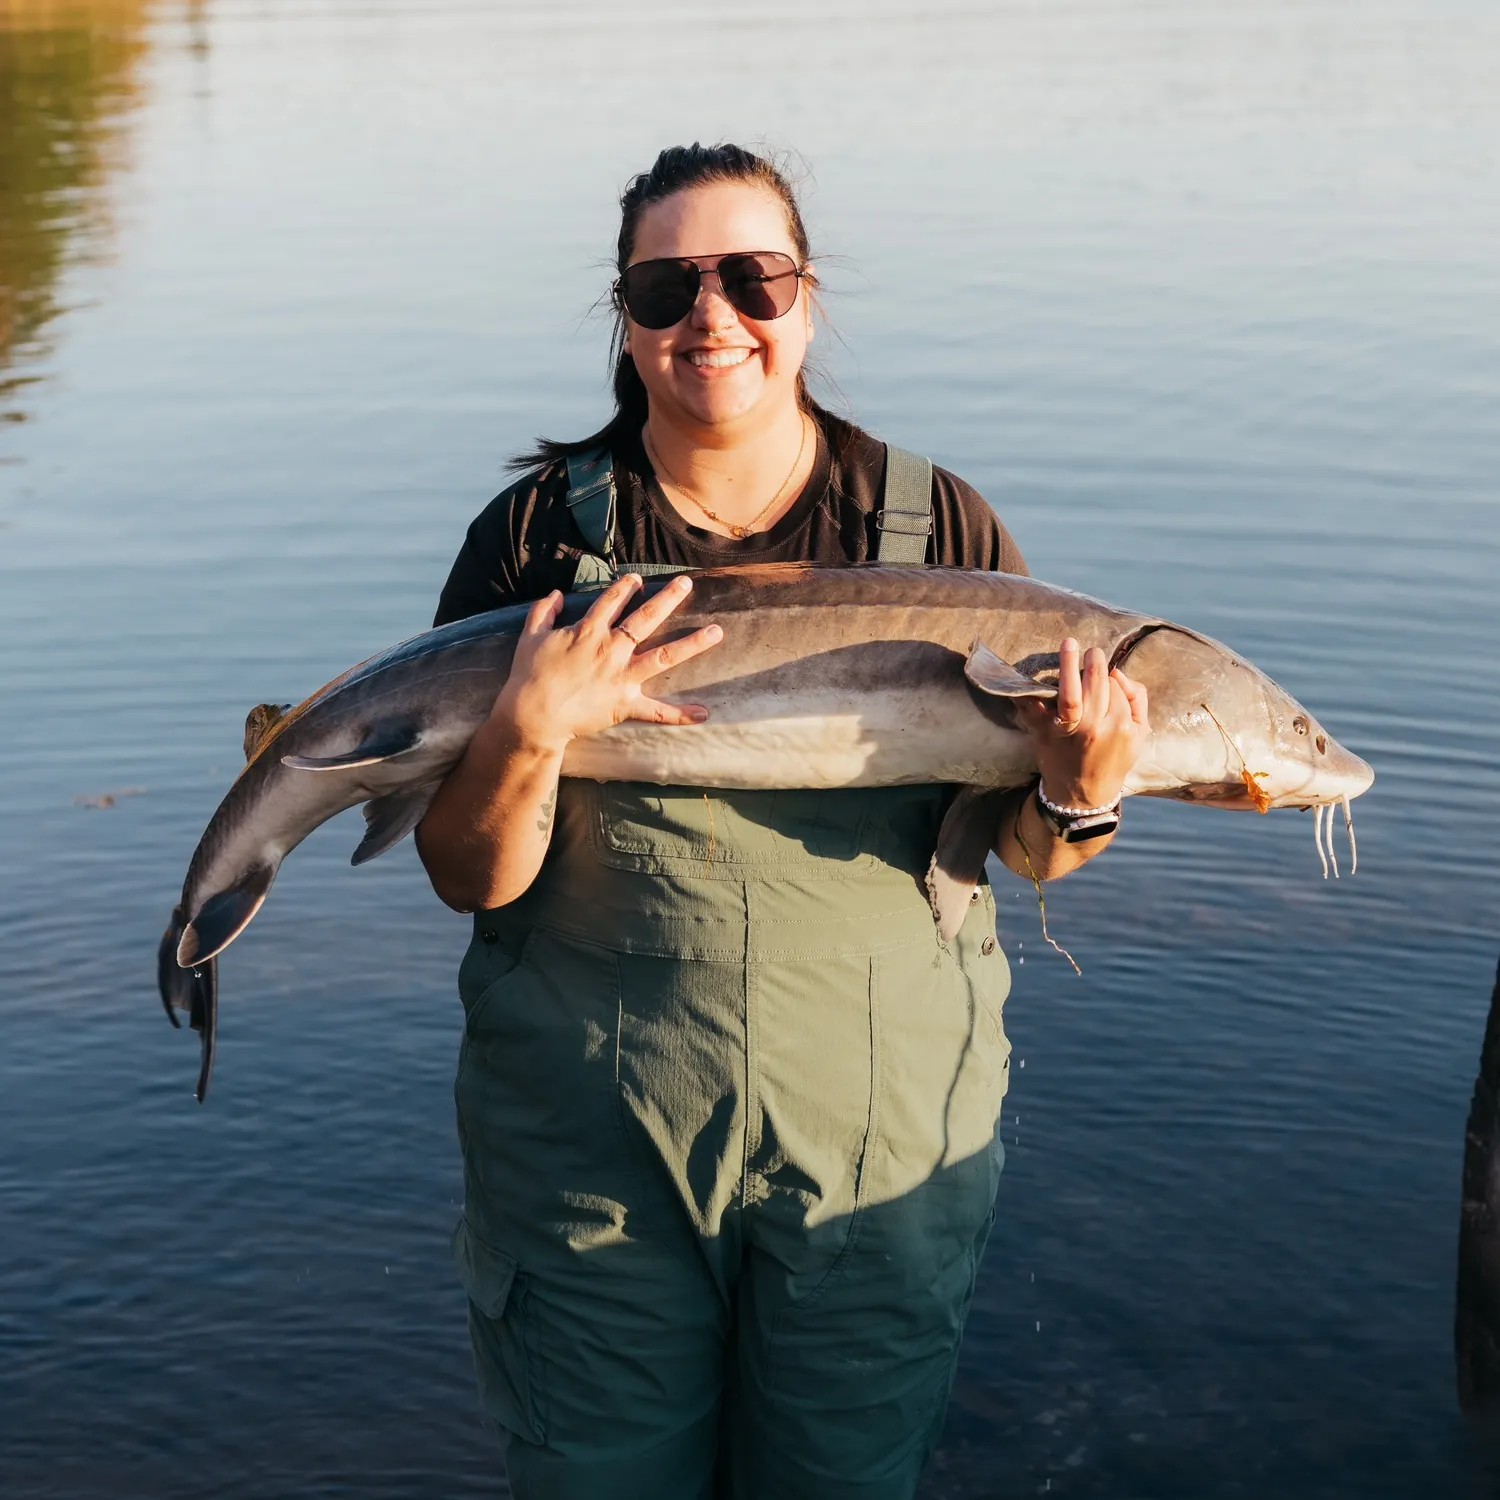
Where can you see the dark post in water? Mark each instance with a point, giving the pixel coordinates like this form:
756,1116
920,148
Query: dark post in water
1476,1328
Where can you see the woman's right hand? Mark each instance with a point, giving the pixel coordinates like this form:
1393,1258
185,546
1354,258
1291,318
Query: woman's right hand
578,679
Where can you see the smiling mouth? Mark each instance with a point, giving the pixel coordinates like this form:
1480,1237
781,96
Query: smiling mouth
717,359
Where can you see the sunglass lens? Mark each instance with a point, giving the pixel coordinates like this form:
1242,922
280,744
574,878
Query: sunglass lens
659,293
762,285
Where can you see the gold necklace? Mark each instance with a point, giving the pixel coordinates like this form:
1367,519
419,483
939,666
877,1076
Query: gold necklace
735,530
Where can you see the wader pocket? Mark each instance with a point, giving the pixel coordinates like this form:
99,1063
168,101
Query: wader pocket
497,1330
497,950
722,834
944,1048
979,954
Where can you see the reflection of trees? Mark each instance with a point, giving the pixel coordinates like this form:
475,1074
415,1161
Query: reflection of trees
68,76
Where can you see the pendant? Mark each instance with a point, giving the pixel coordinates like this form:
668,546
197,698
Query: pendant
739,533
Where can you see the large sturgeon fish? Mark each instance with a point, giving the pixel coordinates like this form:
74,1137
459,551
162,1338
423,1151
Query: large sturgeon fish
825,677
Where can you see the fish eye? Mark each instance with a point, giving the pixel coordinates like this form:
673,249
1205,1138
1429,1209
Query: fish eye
1300,724
1322,743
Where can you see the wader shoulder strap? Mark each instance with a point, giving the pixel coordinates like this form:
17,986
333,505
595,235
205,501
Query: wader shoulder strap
591,500
905,515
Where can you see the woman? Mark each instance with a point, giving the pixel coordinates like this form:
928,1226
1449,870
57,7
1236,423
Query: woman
727,1104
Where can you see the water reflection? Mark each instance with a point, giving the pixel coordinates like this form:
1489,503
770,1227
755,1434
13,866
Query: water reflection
70,78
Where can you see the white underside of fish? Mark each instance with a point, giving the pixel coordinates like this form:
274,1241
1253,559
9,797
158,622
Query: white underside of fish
811,740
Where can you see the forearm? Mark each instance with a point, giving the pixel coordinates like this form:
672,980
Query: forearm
485,836
1024,832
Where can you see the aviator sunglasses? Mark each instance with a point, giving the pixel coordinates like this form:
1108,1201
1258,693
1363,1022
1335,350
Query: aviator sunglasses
761,284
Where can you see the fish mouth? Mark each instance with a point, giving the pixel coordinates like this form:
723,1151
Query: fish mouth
1341,778
1227,796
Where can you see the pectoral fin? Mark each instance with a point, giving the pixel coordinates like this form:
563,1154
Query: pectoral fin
389,819
384,742
224,917
992,675
964,842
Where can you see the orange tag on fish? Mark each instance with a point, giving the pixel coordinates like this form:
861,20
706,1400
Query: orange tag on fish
1257,792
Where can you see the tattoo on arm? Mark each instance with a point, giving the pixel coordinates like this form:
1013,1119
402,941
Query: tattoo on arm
549,808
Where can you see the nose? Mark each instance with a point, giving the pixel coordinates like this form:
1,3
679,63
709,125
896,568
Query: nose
712,312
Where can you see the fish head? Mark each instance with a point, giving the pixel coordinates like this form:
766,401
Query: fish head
1224,734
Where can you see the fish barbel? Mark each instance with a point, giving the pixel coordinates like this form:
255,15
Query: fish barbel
825,677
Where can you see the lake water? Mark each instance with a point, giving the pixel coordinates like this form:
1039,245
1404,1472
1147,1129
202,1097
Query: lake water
1204,297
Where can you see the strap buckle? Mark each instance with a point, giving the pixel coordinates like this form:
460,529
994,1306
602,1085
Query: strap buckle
904,523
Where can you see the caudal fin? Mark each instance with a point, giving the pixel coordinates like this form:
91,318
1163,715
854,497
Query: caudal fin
194,991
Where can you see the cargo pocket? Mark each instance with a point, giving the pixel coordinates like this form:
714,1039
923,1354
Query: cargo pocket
721,836
980,955
497,949
944,1050
497,1330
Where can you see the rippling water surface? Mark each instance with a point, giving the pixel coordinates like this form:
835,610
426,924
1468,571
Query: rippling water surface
1204,297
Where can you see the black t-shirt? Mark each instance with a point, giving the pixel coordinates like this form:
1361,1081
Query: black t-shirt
525,542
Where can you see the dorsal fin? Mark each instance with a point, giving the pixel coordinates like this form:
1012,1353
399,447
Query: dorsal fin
260,724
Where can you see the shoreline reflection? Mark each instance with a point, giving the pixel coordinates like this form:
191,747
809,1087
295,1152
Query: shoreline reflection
70,82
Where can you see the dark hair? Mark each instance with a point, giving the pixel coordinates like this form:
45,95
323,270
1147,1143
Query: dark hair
674,170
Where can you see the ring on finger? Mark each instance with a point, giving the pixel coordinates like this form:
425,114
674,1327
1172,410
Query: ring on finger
1068,724
623,631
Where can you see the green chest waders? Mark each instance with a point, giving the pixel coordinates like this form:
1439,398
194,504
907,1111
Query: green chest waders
728,1113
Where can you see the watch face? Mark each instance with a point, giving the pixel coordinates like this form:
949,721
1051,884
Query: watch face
1080,830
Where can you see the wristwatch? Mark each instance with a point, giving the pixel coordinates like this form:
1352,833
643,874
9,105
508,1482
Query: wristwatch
1077,825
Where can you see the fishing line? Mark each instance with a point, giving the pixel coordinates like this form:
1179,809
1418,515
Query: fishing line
1251,779
1041,900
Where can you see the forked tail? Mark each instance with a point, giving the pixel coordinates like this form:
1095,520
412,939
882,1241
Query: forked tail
194,991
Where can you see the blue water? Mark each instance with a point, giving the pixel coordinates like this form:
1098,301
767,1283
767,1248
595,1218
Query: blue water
1204,297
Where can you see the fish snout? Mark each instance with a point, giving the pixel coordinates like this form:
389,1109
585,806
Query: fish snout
1334,774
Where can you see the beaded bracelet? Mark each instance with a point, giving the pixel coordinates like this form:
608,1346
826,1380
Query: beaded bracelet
1072,812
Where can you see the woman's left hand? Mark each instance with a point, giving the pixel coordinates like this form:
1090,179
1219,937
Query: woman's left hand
1089,740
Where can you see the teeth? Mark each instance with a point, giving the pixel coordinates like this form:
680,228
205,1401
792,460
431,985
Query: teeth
718,359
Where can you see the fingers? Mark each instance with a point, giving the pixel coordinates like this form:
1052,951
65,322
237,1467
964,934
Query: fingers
542,615
643,621
1136,697
654,711
1095,686
606,610
1069,707
648,663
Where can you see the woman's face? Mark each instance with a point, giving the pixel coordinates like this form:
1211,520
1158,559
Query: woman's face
717,365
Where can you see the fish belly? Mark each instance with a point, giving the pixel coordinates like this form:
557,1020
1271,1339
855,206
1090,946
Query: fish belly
813,740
